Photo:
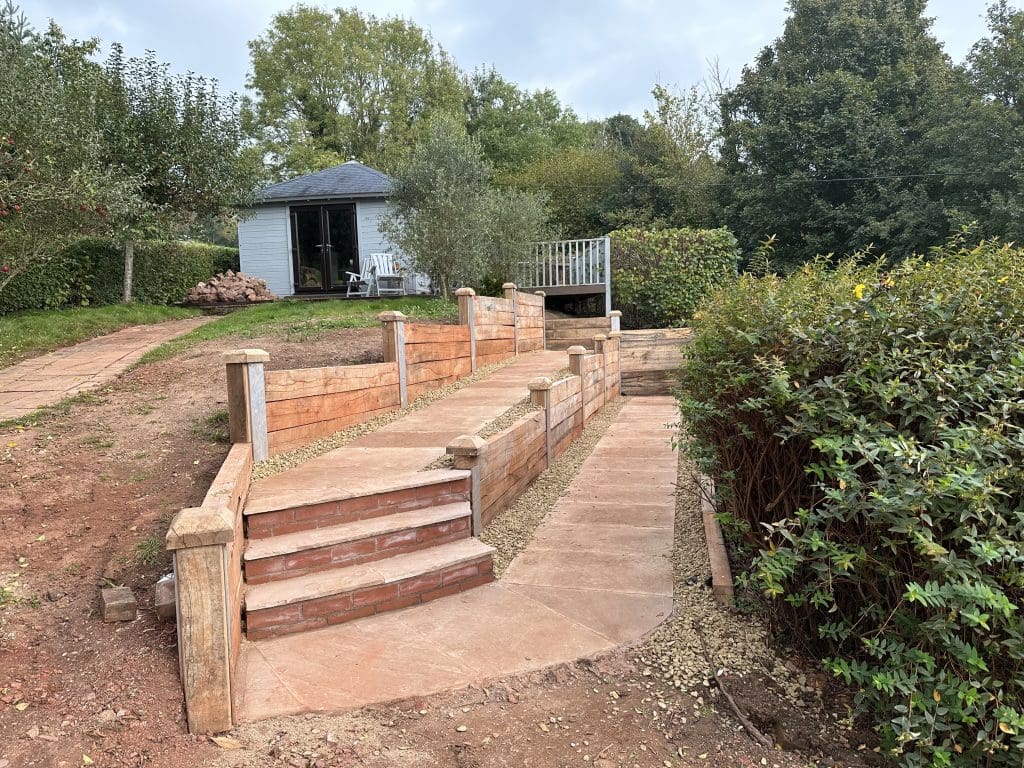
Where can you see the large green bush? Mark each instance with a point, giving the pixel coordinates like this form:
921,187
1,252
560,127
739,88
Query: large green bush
867,431
660,276
90,271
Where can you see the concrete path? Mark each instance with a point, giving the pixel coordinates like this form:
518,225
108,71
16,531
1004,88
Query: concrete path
406,445
596,575
45,380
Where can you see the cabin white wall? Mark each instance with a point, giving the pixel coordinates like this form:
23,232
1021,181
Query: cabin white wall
264,249
372,240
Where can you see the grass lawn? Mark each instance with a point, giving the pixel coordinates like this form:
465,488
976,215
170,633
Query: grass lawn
26,334
304,319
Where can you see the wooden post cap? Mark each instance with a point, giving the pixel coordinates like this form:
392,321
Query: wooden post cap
391,317
507,286
200,527
576,349
615,313
246,356
539,293
614,334
465,292
600,337
539,383
466,445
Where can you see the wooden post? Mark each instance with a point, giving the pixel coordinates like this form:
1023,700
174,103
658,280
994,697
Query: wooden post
540,395
576,355
543,319
615,319
247,399
615,339
465,297
466,451
393,325
599,341
510,294
199,538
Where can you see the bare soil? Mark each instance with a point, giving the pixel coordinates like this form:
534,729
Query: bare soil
86,495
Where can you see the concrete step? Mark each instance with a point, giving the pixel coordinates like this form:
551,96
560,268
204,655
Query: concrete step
291,510
360,541
335,596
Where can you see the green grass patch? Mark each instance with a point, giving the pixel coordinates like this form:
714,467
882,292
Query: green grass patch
26,334
301,321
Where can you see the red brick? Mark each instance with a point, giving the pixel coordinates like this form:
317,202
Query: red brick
355,613
281,530
419,584
451,589
262,568
460,573
353,508
327,606
487,566
351,550
261,526
397,539
374,595
271,616
316,511
286,629
398,603
310,558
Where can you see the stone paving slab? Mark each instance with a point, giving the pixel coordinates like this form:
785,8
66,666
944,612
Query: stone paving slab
50,378
595,576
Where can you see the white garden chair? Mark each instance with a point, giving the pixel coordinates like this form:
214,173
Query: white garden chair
387,274
360,284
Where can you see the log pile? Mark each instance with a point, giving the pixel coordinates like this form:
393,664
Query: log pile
230,288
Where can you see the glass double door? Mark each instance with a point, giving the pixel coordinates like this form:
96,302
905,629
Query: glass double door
324,246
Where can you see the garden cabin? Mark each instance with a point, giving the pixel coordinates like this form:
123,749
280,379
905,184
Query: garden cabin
305,236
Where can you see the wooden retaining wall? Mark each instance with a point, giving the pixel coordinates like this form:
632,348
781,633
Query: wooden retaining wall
649,358
494,329
529,322
435,355
513,459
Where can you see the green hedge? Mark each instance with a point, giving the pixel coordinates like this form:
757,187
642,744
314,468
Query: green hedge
866,430
90,271
660,276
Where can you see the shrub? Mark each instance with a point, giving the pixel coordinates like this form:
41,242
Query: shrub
90,271
660,276
867,431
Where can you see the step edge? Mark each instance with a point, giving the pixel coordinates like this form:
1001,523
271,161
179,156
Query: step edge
387,524
407,481
379,579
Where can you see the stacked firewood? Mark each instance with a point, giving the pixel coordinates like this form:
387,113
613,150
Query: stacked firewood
230,288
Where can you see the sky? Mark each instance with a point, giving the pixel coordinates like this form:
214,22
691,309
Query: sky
600,56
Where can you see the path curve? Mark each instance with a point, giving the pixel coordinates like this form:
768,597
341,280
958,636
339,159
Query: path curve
50,378
597,575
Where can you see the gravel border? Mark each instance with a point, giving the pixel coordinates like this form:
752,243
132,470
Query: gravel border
294,458
511,531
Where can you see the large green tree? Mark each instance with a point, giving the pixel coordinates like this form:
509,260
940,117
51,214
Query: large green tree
181,138
332,85
823,135
54,183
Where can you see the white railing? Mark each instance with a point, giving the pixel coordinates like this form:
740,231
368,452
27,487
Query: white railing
565,263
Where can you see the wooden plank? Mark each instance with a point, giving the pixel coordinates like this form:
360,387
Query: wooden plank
313,382
531,300
422,353
491,304
417,391
485,332
599,324
494,318
286,439
439,369
530,345
426,333
565,409
285,414
495,347
526,321
486,360
647,382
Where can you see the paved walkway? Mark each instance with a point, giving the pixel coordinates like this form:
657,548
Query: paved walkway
596,575
406,445
42,381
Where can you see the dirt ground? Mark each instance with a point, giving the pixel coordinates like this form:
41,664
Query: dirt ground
86,495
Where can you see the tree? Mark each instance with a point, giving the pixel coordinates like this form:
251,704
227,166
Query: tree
516,126
997,62
821,138
459,229
54,184
181,138
342,84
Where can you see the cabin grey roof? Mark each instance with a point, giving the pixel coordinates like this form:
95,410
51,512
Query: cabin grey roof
351,179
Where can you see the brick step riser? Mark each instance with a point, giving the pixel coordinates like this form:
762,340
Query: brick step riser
355,552
338,609
308,517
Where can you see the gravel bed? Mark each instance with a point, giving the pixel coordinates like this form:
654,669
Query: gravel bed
290,459
736,642
510,532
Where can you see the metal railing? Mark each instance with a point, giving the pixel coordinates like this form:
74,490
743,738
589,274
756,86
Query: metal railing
567,263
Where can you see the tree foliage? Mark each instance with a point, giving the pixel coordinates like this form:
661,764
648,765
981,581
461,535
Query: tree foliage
335,85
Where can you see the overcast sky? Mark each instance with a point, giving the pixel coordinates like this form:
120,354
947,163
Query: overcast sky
600,56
